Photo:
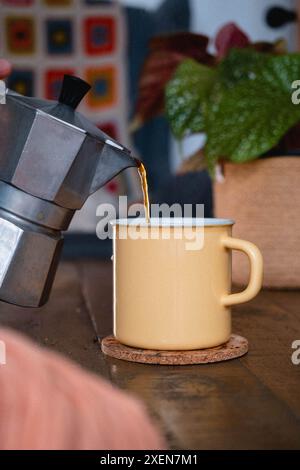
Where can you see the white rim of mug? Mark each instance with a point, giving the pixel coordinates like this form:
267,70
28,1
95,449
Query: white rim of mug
173,222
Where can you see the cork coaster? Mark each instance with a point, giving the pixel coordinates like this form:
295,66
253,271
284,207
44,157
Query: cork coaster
236,346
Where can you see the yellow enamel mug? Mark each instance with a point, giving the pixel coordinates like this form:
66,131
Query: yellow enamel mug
172,282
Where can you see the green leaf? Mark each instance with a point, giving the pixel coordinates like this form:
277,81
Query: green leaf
241,64
281,71
184,97
247,120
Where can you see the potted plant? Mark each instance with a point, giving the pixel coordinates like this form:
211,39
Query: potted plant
241,99
245,101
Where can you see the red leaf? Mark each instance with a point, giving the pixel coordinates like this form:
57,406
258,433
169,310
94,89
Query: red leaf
289,143
277,47
230,36
166,53
188,44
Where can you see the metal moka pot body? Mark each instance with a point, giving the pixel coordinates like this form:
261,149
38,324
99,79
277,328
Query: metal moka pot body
51,160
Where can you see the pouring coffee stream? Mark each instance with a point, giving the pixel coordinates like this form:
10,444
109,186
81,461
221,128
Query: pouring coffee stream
51,160
144,184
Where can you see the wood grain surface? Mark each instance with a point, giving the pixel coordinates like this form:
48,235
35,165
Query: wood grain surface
250,403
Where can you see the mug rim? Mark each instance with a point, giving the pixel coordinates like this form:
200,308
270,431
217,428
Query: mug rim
174,222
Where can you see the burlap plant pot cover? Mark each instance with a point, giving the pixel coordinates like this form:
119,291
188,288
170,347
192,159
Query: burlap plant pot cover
263,197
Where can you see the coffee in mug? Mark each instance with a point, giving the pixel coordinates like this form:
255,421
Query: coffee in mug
172,282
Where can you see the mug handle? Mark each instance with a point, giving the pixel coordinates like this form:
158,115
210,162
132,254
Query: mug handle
256,271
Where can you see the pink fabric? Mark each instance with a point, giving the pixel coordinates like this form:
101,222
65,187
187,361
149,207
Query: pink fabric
47,402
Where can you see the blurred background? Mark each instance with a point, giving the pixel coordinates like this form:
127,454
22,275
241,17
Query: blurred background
106,43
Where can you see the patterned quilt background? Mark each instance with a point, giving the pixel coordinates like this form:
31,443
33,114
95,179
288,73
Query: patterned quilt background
44,39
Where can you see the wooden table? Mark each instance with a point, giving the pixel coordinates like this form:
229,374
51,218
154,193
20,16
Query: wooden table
247,403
